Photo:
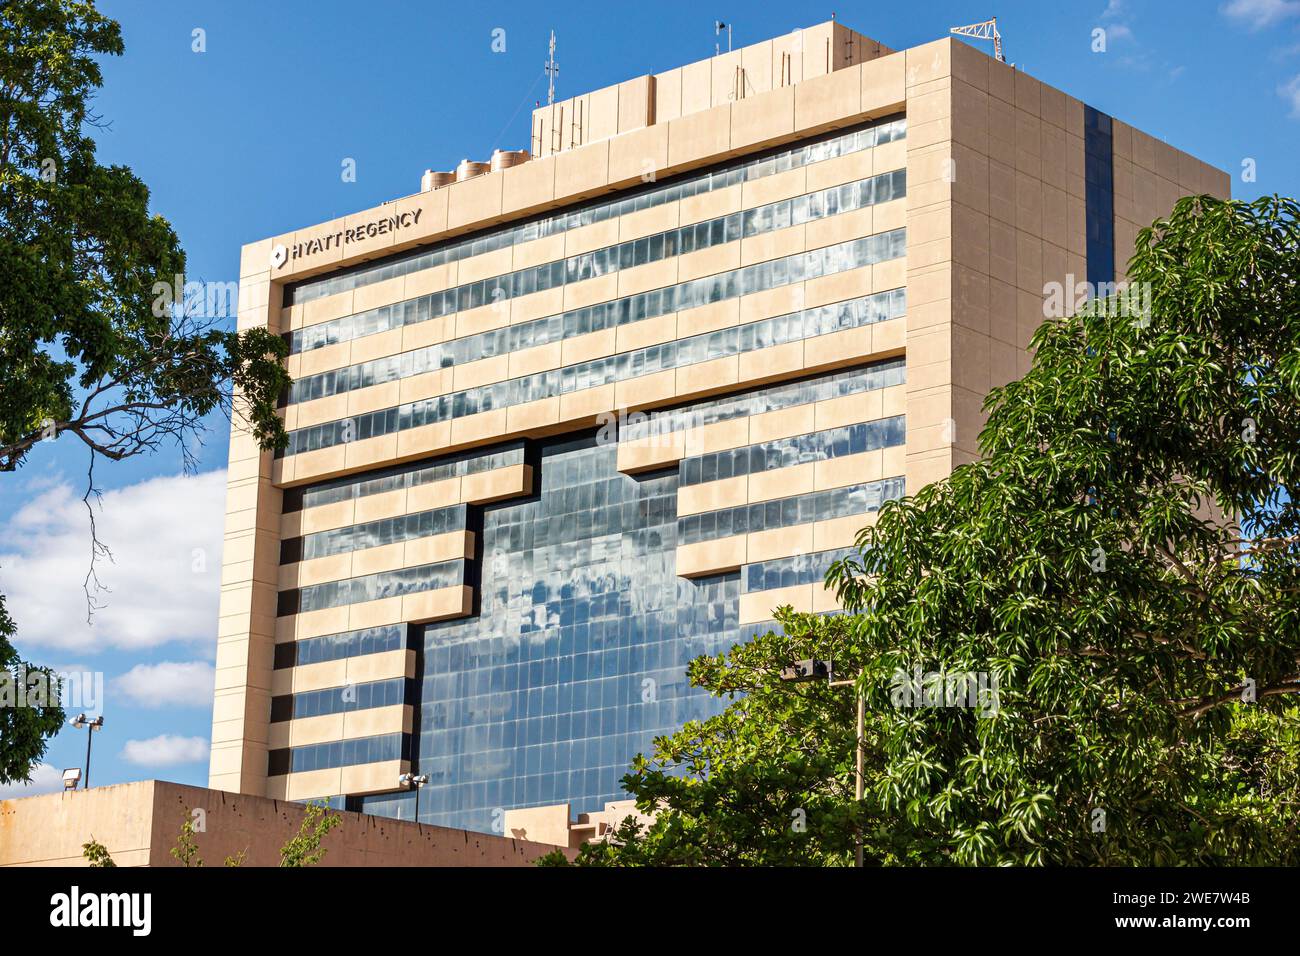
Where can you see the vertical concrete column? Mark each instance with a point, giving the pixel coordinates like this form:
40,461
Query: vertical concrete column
930,279
250,559
995,212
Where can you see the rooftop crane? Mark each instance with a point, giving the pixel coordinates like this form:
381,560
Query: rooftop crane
988,30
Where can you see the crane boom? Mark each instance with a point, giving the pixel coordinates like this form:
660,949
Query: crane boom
987,30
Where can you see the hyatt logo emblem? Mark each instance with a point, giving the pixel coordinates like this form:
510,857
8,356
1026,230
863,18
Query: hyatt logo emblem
334,241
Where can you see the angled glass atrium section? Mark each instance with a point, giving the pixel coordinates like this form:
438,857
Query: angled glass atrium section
576,658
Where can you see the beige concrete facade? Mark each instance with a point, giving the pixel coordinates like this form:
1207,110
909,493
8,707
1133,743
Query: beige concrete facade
728,78
556,824
994,210
140,823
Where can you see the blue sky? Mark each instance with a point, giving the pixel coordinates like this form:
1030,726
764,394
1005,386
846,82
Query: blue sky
247,139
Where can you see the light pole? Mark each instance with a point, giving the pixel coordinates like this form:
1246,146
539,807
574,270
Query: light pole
802,672
414,781
90,726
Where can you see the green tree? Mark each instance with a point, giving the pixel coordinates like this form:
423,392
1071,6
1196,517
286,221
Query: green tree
96,854
186,850
1146,652
304,848
24,730
96,341
87,347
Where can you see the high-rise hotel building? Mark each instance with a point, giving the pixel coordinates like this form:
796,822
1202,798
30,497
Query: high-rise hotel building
564,421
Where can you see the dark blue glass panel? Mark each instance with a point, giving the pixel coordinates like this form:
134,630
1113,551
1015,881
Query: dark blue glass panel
1099,196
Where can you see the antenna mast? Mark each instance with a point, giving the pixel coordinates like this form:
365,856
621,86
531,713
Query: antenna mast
988,30
552,71
718,27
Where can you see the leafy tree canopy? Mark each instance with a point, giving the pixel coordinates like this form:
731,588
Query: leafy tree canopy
85,346
96,340
27,721
1146,651
304,848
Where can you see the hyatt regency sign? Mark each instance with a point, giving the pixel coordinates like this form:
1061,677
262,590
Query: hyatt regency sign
281,255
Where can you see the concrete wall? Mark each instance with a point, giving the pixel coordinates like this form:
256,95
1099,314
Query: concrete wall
737,74
995,211
140,822
553,824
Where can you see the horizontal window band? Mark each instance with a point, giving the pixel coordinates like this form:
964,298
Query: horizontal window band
787,512
674,354
790,572
411,475
746,169
374,534
824,445
807,390
830,261
343,699
346,644
622,367
339,753
660,247
819,387
371,587
814,388
412,550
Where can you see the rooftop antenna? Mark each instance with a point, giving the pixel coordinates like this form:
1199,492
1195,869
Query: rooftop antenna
718,27
988,30
552,71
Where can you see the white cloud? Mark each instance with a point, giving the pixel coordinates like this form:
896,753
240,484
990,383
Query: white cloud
1117,27
1291,93
45,779
165,750
162,583
1258,14
167,684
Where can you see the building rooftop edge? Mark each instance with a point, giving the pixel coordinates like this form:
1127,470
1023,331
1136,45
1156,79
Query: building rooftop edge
557,180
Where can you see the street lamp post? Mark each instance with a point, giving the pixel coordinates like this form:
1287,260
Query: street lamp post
416,782
90,727
802,672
